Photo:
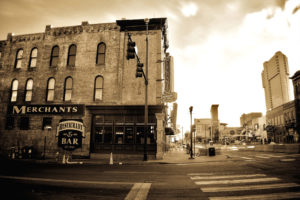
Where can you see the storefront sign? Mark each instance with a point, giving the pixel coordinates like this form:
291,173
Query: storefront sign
70,134
46,109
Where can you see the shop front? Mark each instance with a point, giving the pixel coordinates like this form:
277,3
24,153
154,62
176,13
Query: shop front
121,129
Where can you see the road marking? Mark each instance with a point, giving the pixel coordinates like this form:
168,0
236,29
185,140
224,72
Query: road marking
228,176
286,195
264,157
130,172
249,187
247,158
274,156
139,191
63,180
200,174
288,160
236,181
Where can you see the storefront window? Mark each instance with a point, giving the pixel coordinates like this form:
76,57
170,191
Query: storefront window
139,135
129,135
99,132
119,134
107,135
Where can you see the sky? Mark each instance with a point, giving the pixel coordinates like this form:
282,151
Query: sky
219,46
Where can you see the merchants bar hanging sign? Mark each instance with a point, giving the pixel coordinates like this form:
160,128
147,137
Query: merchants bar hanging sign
70,134
45,109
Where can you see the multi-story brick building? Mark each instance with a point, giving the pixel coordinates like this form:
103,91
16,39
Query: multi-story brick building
68,82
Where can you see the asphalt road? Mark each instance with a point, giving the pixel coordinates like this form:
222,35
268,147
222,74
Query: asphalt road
241,175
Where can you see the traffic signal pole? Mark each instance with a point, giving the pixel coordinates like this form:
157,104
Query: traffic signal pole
146,94
131,54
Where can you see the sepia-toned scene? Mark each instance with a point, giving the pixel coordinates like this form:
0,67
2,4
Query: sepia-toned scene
149,100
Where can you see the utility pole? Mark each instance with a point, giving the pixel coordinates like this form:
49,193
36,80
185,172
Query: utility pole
191,134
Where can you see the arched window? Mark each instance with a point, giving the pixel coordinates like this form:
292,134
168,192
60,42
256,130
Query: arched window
98,91
28,90
100,60
33,57
19,58
14,90
50,89
72,55
54,56
68,89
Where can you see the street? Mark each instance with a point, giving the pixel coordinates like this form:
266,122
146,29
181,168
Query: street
231,174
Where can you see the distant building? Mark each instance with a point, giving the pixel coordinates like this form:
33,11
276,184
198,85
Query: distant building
215,121
202,129
248,122
275,81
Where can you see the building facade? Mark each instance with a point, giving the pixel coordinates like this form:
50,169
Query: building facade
215,122
296,84
203,129
72,88
275,81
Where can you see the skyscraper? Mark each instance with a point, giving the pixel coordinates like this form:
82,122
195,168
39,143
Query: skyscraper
275,80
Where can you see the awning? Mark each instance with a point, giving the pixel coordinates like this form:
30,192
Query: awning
169,131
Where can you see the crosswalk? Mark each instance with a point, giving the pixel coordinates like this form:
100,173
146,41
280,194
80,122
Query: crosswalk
245,186
281,157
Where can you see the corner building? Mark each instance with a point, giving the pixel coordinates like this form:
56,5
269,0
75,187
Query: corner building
78,78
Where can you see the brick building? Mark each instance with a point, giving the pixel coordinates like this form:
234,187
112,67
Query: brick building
75,82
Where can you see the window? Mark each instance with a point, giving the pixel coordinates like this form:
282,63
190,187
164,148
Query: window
50,89
14,90
19,58
129,135
99,131
68,89
10,121
119,134
107,135
33,57
100,60
28,90
72,55
98,88
24,123
47,123
54,56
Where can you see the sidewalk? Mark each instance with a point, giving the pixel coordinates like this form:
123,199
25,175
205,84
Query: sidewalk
181,157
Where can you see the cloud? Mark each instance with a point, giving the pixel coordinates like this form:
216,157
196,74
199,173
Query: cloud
189,9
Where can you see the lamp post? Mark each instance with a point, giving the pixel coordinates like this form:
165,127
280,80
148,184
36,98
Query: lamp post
191,148
146,95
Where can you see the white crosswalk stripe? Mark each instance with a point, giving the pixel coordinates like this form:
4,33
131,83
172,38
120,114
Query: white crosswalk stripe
215,184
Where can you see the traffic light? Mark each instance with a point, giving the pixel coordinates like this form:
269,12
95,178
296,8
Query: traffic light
130,50
139,70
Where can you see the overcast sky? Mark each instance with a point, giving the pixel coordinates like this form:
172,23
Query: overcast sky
219,46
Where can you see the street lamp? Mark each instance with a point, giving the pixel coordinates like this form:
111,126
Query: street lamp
191,148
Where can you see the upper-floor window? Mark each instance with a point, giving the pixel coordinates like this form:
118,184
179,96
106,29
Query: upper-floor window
54,56
100,60
72,55
28,90
14,90
19,58
50,89
98,91
33,57
68,89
